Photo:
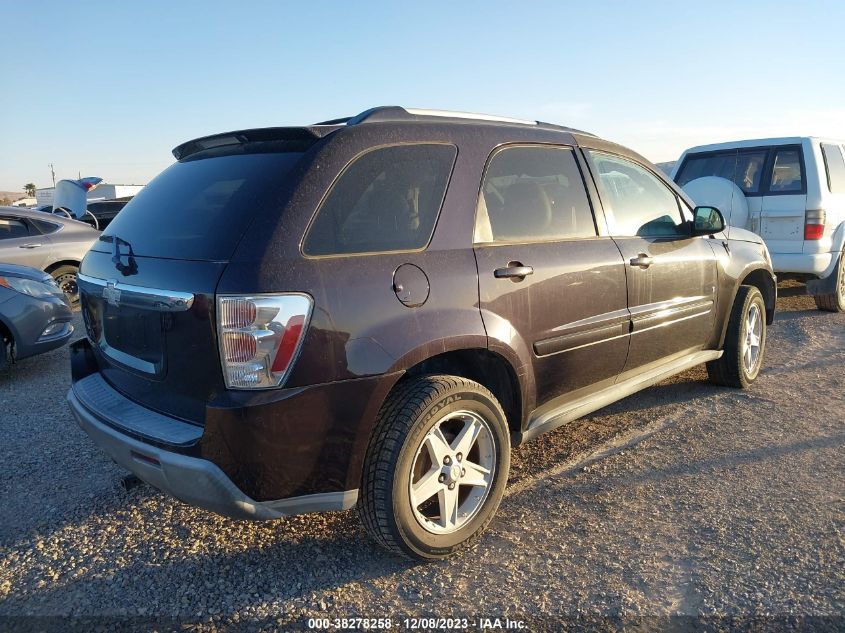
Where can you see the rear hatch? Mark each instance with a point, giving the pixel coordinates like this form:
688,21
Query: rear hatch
785,203
148,284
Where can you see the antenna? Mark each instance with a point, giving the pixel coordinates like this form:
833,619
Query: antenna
53,173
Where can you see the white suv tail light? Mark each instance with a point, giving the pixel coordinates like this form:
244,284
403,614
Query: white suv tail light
260,337
814,220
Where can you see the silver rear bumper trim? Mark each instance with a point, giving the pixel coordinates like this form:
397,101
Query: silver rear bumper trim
197,482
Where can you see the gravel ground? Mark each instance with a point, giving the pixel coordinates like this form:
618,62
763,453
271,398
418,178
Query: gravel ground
683,500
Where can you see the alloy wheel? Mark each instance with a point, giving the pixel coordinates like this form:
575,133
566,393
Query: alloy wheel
753,336
452,472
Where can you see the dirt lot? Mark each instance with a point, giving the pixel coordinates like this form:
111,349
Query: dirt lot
683,500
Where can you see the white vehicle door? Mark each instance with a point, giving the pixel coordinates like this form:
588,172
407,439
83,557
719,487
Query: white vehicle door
784,200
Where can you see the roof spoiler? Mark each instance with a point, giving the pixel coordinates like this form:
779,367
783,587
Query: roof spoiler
308,133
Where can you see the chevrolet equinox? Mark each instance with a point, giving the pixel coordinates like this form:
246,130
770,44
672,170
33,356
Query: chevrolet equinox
373,311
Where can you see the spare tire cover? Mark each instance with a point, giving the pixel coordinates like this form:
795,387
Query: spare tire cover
712,191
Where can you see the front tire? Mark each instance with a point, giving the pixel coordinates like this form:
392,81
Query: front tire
835,301
436,467
745,342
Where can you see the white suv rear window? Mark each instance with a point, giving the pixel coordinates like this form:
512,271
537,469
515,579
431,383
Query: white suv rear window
835,165
743,167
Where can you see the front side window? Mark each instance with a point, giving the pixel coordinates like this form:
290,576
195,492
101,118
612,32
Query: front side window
835,167
742,167
11,228
533,194
641,205
386,200
786,172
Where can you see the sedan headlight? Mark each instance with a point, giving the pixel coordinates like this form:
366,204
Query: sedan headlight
38,289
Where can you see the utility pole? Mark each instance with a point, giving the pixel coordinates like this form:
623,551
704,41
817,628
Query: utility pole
53,173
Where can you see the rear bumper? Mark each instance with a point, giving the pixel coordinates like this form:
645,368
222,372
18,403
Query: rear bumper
818,264
194,480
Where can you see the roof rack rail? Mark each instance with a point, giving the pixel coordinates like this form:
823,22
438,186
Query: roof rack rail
399,113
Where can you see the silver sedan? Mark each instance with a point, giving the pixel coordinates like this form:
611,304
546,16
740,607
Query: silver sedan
51,243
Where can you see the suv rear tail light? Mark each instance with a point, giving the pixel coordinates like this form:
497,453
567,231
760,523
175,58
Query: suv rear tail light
260,337
814,224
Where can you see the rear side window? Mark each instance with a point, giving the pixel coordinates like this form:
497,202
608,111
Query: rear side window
533,194
640,203
46,227
199,209
11,228
742,167
386,200
835,166
786,172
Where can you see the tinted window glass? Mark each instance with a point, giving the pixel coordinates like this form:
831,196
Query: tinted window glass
533,194
640,203
11,228
786,171
199,209
46,227
743,167
835,168
386,200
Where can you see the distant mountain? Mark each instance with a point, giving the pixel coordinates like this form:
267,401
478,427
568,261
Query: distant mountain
11,196
666,168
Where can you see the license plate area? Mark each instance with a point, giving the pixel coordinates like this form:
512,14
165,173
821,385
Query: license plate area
128,324
134,338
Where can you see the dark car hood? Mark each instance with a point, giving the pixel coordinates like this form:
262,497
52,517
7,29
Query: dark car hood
13,270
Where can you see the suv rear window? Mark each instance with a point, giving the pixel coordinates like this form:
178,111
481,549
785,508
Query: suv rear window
786,172
742,167
387,199
835,166
199,209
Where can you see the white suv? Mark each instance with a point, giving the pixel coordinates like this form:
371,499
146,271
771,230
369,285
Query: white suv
791,192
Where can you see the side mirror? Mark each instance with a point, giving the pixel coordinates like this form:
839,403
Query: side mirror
708,220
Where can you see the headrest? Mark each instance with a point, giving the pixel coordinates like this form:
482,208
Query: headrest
526,212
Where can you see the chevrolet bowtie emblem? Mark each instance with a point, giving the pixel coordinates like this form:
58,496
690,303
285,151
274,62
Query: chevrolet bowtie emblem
111,293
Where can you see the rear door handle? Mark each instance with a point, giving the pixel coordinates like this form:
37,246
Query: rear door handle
642,260
30,246
511,272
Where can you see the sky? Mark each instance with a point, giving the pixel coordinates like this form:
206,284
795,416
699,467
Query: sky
109,88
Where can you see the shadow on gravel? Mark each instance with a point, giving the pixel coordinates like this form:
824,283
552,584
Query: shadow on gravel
794,289
727,462
686,390
284,569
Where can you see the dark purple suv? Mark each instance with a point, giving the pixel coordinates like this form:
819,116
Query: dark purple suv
372,311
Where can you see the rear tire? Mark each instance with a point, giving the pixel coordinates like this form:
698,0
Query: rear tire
835,301
436,467
745,342
65,277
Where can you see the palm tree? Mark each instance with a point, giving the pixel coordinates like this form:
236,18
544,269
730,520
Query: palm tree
30,189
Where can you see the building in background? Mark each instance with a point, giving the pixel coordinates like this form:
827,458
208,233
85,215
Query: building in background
104,191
